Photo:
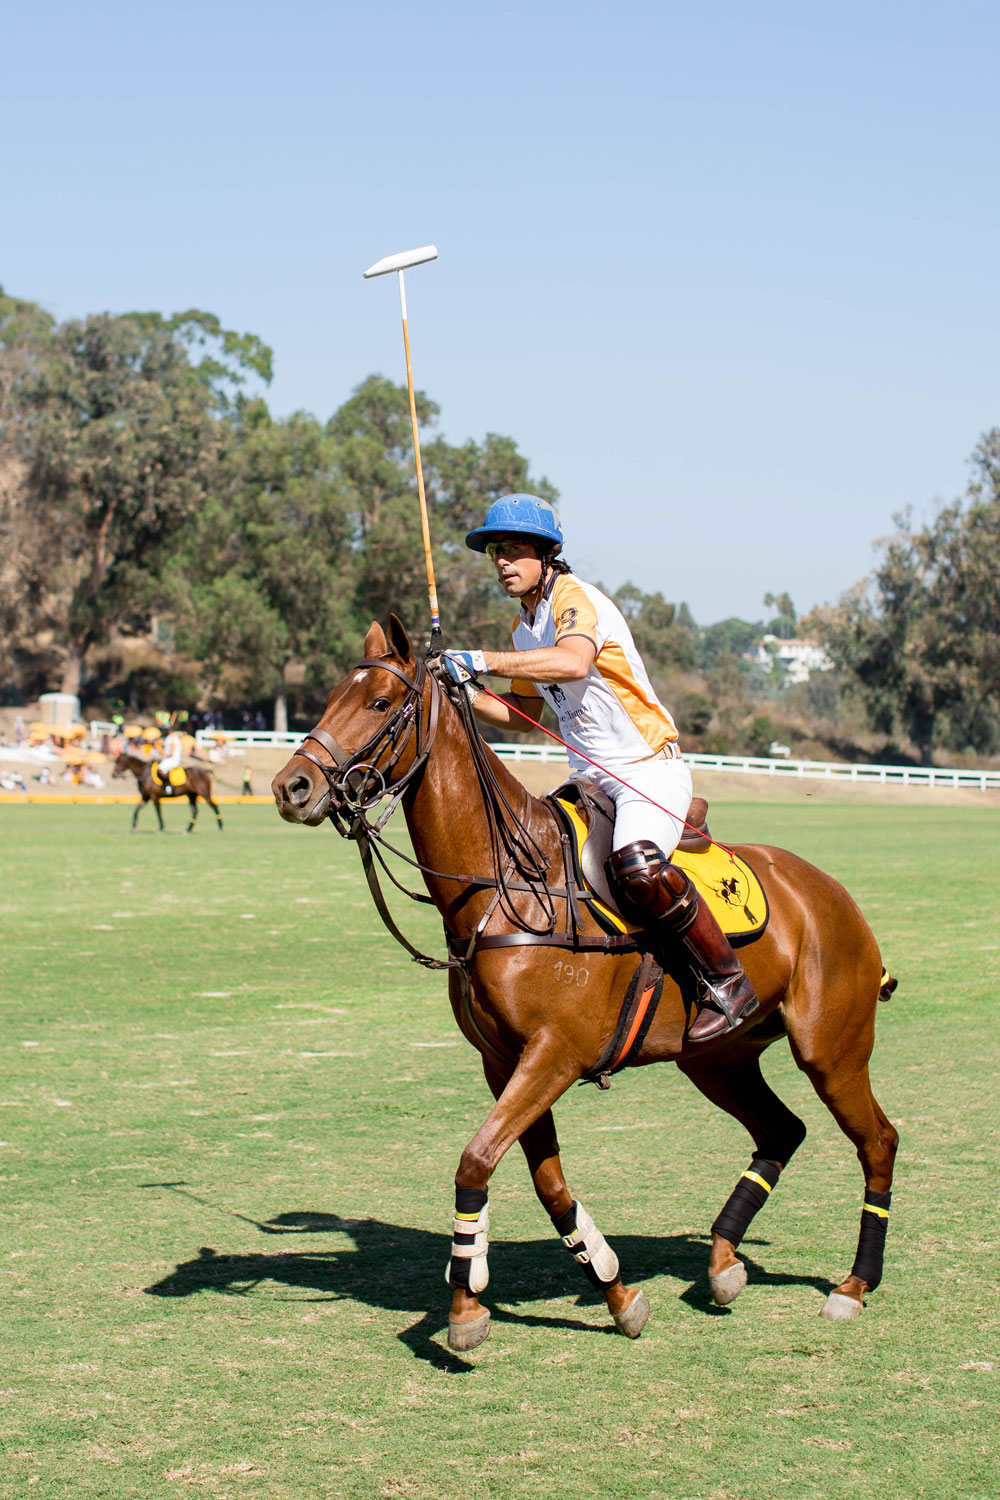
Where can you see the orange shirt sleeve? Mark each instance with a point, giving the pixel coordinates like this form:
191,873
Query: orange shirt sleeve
572,611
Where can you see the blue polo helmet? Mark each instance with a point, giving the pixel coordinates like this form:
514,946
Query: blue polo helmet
518,515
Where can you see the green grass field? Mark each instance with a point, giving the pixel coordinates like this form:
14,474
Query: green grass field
230,1117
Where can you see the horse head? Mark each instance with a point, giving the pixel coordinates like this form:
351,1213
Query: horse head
365,741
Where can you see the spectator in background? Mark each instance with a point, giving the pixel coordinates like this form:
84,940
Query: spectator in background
247,782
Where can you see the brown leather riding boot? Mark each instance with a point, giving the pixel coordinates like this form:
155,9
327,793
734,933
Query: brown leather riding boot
726,996
660,897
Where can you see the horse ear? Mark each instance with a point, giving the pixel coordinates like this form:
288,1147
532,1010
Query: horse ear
399,640
375,642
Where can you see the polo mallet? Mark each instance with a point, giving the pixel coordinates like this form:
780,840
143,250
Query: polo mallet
399,264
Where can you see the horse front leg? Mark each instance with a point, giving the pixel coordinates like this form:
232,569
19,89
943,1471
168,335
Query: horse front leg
574,1226
544,1072
138,809
159,815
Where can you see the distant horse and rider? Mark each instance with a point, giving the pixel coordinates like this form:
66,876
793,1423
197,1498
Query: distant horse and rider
173,782
497,865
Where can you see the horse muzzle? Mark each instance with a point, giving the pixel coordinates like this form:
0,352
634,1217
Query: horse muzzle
300,794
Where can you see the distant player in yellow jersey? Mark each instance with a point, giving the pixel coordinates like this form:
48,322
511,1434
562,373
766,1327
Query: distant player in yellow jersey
572,649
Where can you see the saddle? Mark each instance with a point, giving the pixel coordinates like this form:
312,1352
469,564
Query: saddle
724,881
175,778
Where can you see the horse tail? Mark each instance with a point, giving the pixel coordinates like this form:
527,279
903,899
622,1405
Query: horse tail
888,985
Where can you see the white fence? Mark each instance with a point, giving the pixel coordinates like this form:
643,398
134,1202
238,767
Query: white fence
241,739
753,765
838,770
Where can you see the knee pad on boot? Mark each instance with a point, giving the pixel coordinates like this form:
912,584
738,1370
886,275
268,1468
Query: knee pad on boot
650,889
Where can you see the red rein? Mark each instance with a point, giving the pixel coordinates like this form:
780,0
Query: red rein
559,741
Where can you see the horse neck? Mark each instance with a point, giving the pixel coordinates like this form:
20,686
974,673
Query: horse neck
446,817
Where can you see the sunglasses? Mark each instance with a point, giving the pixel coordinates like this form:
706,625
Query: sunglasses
505,547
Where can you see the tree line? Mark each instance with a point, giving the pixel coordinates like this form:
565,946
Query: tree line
163,536
146,487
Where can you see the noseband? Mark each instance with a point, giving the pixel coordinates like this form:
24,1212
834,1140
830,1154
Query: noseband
356,781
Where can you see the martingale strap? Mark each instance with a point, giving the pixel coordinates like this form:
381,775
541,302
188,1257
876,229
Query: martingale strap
636,1016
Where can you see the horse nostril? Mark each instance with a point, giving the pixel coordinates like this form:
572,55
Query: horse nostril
298,790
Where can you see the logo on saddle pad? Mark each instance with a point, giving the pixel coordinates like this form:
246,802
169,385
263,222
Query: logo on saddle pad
176,777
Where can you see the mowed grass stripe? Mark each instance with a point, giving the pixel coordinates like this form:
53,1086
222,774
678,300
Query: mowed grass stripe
231,1111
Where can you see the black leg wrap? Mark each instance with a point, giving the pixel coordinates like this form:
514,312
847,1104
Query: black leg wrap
871,1241
747,1198
565,1223
467,1201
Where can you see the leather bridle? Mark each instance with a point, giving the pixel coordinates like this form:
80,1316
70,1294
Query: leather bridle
357,783
356,780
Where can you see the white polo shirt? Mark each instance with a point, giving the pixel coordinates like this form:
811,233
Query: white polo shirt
613,712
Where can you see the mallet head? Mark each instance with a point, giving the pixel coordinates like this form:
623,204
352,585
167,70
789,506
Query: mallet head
402,261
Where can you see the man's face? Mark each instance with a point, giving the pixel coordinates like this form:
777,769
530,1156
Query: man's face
519,568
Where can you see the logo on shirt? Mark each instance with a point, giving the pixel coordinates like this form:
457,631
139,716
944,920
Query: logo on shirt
567,619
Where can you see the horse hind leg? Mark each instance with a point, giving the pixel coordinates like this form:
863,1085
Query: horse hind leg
193,802
738,1087
159,814
218,815
850,1100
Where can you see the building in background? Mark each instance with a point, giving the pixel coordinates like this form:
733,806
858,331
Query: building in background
799,659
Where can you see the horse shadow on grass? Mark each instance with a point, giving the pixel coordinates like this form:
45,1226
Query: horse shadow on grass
399,1269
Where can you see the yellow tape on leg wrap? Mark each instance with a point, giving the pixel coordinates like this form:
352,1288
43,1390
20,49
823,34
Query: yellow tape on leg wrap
470,1244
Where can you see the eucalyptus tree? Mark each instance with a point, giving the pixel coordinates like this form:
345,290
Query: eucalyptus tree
265,590
918,640
125,424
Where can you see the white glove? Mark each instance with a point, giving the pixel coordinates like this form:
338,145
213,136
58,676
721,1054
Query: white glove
463,665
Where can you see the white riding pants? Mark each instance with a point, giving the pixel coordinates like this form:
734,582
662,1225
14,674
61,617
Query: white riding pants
666,781
169,763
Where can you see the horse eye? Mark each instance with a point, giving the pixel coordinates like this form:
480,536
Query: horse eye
380,706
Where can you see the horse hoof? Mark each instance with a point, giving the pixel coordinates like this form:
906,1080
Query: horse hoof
726,1287
841,1308
633,1320
463,1336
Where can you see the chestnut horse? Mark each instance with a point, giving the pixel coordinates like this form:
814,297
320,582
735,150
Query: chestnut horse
394,729
195,784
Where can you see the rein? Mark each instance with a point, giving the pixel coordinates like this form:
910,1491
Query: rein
360,780
357,784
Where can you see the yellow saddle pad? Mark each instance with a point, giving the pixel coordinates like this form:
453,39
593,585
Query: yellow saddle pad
176,777
725,882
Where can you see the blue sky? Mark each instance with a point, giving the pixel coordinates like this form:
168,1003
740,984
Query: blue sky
728,274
